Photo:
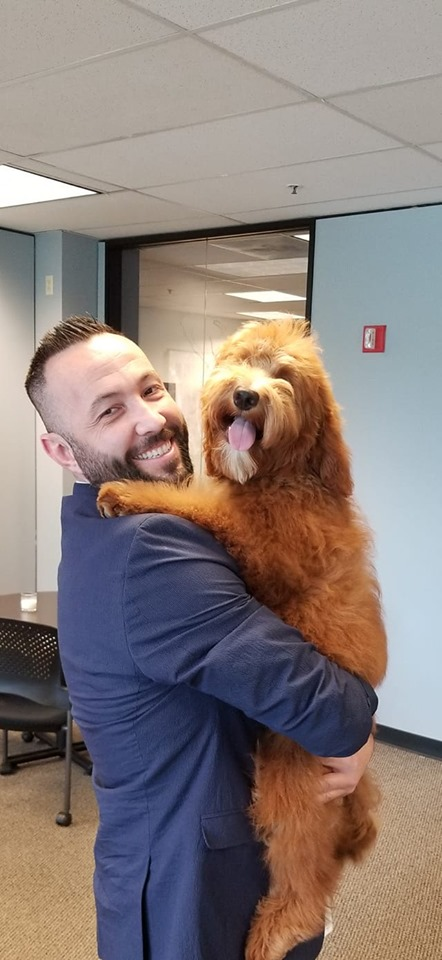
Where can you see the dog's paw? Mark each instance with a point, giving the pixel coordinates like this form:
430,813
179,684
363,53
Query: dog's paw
112,499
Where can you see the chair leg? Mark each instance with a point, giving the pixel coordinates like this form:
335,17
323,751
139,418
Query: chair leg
64,818
6,766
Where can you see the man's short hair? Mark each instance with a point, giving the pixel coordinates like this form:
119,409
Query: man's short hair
65,334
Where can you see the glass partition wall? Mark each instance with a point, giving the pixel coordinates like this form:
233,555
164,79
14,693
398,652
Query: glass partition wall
195,293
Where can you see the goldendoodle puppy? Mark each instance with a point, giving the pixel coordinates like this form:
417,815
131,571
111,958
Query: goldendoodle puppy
281,502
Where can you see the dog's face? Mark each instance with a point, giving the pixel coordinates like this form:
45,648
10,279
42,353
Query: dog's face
268,410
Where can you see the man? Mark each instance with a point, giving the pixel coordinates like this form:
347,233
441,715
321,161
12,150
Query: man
172,668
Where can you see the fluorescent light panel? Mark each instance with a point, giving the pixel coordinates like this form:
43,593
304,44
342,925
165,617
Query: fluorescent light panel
266,296
272,315
18,187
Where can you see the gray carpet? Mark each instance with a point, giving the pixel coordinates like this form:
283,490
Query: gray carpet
47,907
389,909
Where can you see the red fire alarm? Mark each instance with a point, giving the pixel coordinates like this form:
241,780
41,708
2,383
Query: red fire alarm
373,339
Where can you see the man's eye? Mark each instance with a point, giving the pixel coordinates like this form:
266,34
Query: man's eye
153,389
107,413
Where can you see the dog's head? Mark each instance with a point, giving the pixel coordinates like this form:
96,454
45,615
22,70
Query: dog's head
269,411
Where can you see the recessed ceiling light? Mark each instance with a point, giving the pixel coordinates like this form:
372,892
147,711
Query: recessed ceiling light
272,315
266,296
18,187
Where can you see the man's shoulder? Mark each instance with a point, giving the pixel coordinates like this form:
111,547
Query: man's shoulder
170,526
157,531
179,537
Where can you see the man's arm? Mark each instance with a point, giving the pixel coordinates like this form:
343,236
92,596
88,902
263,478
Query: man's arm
192,622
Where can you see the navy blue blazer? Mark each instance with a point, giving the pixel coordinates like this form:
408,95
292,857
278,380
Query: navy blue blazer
172,667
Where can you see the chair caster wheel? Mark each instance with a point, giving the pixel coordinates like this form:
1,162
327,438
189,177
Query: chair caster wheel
7,768
27,736
63,819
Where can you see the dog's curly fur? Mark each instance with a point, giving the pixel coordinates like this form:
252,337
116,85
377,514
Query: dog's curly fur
284,509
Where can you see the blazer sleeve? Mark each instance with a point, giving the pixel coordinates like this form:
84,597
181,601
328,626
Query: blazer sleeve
190,620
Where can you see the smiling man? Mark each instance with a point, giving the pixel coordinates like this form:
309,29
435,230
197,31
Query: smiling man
172,668
108,413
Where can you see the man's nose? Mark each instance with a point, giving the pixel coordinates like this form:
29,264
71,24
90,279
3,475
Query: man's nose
148,419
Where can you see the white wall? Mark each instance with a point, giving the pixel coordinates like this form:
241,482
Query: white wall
386,268
17,420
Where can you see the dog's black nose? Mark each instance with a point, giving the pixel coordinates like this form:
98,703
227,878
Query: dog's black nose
245,399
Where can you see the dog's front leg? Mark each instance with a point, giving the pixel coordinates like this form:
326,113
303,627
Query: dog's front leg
122,497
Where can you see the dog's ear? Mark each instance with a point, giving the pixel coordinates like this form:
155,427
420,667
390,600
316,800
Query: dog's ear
210,442
329,458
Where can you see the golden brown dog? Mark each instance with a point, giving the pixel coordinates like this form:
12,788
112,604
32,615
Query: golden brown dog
282,505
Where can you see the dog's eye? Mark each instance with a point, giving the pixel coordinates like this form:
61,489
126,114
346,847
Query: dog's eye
282,373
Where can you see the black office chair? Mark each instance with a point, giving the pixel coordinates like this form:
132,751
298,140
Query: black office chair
34,699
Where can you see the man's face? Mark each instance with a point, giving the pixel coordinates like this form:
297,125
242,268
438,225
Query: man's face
115,413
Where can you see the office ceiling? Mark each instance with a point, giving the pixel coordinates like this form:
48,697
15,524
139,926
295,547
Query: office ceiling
198,114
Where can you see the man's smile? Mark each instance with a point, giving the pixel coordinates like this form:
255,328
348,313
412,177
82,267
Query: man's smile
155,452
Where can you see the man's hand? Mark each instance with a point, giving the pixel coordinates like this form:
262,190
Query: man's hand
342,774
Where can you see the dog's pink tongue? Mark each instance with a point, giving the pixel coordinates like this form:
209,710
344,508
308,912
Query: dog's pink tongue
241,434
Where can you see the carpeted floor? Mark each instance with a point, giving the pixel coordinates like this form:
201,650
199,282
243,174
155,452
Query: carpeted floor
389,909
47,907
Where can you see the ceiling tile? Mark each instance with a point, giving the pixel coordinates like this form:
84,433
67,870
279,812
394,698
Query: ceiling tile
192,14
410,110
312,131
150,228
170,84
41,35
344,206
435,149
334,46
370,174
105,210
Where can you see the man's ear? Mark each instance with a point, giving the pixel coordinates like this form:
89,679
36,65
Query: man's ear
59,450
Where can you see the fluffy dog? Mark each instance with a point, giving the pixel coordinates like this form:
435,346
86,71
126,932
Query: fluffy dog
282,505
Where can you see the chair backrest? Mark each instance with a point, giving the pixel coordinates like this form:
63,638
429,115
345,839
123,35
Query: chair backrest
30,663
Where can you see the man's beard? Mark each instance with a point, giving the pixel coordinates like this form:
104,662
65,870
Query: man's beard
98,470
